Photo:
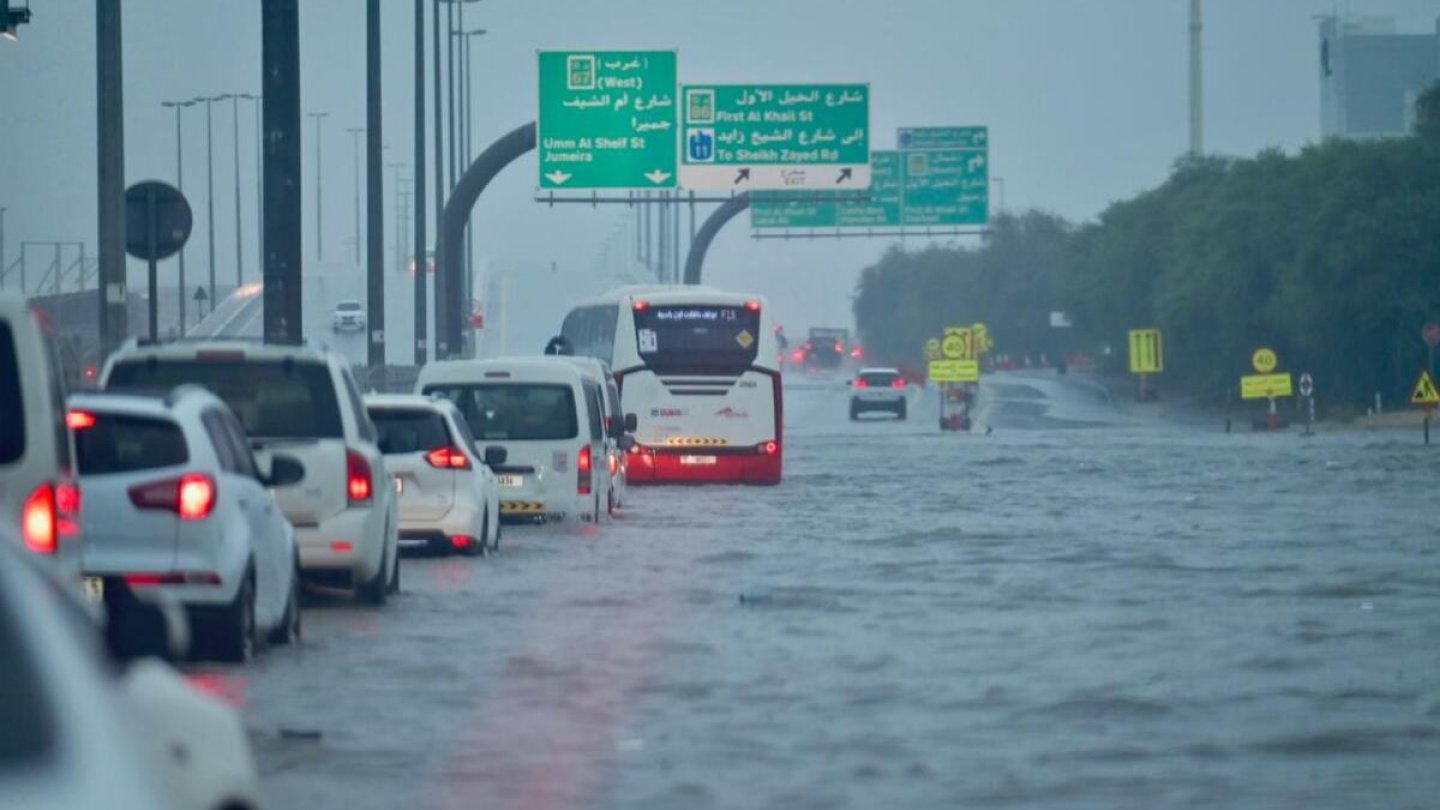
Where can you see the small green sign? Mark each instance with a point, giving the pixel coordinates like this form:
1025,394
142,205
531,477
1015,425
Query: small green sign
775,136
943,137
607,119
946,187
883,207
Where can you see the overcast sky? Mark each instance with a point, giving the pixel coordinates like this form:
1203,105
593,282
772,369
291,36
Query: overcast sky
1086,104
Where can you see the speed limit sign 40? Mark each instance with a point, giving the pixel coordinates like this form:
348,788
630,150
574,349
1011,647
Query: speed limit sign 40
1307,385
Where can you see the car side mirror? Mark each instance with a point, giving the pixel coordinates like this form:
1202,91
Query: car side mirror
284,471
632,422
495,456
625,442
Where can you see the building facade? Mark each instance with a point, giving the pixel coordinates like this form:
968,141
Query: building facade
1370,76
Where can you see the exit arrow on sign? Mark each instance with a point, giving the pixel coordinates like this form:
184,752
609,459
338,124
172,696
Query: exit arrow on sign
558,177
743,174
845,174
657,177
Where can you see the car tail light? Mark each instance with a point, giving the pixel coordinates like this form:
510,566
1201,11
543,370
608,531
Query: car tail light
191,496
358,484
857,352
839,347
448,458
80,420
897,383
799,355
583,465
38,521
861,384
461,540
769,448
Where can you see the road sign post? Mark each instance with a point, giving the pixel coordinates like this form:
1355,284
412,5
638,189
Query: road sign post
775,136
157,225
1425,395
1430,333
607,119
1307,390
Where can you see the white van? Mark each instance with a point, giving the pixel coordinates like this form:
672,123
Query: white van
39,498
598,372
550,418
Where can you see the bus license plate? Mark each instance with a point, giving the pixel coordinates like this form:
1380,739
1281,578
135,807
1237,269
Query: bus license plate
512,481
95,590
697,461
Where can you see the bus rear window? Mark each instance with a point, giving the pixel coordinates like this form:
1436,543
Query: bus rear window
12,407
514,411
697,338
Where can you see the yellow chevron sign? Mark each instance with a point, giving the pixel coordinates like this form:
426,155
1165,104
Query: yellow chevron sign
695,441
1147,355
522,508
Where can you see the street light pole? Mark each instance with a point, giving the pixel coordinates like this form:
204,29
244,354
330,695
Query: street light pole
421,295
259,182
234,99
180,184
355,133
319,210
210,189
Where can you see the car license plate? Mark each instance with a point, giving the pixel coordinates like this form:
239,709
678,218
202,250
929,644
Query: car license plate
95,590
512,481
399,485
697,461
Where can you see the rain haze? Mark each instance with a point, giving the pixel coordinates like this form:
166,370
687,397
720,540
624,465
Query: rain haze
1086,104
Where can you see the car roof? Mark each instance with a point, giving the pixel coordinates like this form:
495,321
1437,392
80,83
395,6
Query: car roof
248,349
879,370
542,368
146,403
415,401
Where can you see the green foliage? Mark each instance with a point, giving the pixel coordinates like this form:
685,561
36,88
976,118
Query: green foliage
1331,257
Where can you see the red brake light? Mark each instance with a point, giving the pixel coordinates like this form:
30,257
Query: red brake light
897,383
448,458
357,478
582,464
839,347
80,420
191,496
859,383
641,305
38,522
752,305
769,448
799,355
857,352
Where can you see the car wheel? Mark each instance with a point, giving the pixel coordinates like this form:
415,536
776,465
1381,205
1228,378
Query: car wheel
900,411
495,540
478,547
236,641
854,412
377,590
610,504
289,629
394,586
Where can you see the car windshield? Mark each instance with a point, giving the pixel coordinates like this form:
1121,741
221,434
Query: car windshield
113,443
514,411
12,413
409,430
273,399
348,306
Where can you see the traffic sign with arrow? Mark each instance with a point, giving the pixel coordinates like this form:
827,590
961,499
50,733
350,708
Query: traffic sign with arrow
607,119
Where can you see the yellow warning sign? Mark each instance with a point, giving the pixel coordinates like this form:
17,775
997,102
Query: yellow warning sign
958,344
1425,393
981,334
1264,360
932,349
745,339
954,371
1147,356
1265,386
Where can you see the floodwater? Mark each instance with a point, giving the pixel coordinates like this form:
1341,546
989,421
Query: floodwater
1083,608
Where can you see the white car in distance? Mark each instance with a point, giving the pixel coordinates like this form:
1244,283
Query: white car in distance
349,316
878,389
449,497
180,512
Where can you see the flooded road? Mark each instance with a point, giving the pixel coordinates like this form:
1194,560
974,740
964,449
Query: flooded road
1083,608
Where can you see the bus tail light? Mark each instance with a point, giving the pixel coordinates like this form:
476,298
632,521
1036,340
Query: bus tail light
769,448
752,305
641,305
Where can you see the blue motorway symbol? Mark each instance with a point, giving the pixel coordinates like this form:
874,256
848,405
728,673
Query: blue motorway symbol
701,145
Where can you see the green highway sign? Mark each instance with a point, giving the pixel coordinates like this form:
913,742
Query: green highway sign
607,119
792,209
775,136
946,187
943,137
883,207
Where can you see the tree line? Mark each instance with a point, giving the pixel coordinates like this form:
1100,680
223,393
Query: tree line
1330,256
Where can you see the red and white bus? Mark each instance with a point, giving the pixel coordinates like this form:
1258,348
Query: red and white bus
698,369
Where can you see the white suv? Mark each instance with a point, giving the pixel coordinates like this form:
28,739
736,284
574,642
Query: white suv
180,512
449,498
39,502
301,402
349,315
878,389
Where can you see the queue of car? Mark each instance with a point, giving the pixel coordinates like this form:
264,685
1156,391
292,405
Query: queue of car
175,511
